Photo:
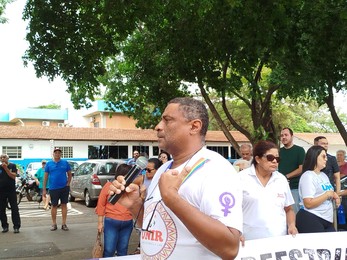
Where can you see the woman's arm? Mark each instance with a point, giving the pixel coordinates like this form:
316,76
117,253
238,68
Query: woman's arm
311,203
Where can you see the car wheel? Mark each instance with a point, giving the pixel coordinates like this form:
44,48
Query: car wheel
88,201
71,198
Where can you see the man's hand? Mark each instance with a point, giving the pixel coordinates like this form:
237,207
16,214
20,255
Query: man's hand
5,166
132,192
169,183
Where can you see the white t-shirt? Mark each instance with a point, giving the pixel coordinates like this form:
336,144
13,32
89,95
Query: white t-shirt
263,207
213,188
312,185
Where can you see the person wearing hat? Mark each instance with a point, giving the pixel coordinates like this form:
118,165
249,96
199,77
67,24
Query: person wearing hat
58,173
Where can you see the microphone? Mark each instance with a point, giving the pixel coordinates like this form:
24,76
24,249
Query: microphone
140,164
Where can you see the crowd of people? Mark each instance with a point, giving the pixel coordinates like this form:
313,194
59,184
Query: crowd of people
188,191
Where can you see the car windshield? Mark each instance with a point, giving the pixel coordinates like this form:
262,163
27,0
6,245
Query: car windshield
73,165
111,168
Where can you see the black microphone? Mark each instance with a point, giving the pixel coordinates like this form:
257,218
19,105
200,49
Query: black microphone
141,164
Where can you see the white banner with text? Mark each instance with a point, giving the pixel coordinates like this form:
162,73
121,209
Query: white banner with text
312,246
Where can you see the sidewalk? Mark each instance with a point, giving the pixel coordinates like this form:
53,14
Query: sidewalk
41,243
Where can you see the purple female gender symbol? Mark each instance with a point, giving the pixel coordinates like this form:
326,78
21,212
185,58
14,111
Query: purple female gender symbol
227,200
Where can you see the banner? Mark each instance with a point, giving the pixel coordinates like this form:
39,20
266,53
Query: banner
312,246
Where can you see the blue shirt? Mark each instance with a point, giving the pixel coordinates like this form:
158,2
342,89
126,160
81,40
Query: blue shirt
57,174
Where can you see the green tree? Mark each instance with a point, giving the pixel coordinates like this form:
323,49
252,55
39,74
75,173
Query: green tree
146,52
3,4
320,56
51,106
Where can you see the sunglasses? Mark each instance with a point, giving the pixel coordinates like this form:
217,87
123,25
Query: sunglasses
149,170
271,157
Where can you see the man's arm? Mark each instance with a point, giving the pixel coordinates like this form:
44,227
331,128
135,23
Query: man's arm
337,183
296,172
69,177
44,185
11,174
211,233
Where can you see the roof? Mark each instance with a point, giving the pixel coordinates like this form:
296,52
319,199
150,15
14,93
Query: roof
333,138
114,134
102,134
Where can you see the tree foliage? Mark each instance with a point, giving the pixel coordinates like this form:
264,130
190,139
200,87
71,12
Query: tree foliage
146,52
3,4
50,106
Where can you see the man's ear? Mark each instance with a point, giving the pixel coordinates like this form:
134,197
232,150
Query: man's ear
196,126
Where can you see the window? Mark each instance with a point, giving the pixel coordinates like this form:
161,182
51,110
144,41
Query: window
155,151
222,150
14,152
142,149
66,151
106,151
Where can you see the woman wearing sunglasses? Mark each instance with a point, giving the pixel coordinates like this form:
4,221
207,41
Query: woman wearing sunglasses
316,194
267,199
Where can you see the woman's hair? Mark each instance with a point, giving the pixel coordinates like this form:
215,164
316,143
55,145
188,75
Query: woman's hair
157,163
261,148
312,154
122,169
167,154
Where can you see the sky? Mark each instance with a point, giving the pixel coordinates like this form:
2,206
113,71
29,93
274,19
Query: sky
19,84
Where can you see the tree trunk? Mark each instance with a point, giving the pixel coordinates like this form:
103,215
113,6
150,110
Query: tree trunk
330,103
219,120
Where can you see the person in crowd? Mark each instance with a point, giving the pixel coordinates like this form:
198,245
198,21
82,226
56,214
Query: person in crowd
152,167
267,199
136,155
316,193
39,176
246,157
8,173
164,157
291,164
332,168
341,162
115,220
58,173
193,206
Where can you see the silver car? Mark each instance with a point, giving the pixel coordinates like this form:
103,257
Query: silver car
90,176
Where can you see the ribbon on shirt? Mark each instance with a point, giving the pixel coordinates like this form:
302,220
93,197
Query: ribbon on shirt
195,167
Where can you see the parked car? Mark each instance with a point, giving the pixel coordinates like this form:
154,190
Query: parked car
74,165
32,168
89,178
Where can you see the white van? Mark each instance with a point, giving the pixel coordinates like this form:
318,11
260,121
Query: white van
32,168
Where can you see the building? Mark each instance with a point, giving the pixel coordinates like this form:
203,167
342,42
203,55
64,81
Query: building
98,116
30,135
25,144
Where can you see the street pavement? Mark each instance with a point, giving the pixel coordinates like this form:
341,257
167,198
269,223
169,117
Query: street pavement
36,241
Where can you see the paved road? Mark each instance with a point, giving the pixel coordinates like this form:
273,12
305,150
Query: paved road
36,241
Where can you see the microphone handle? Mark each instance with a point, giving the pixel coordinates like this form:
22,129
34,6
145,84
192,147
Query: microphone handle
129,178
